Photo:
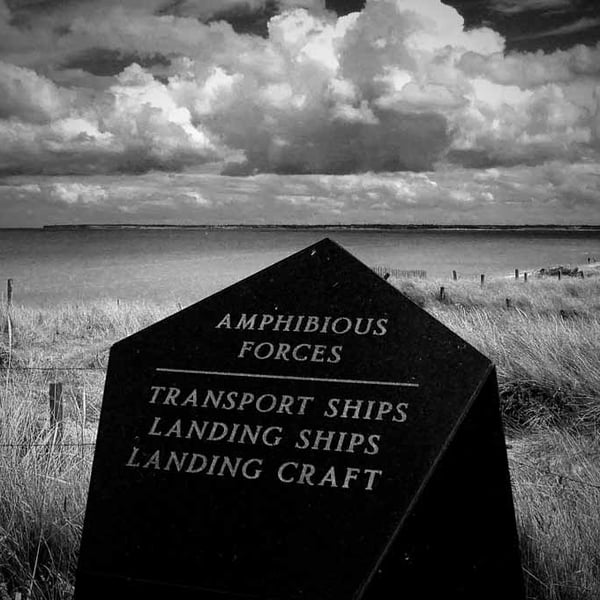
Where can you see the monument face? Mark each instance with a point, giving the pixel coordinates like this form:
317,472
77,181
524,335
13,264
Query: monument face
308,433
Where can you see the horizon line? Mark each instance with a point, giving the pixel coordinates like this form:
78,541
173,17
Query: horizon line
309,226
320,225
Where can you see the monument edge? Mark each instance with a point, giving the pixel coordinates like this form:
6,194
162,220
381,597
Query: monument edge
489,373
323,242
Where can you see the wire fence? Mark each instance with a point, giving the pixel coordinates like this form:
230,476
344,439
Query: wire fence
48,445
72,394
559,478
23,369
50,407
78,403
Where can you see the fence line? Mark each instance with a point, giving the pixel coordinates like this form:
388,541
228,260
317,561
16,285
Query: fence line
60,407
48,444
383,270
23,368
550,473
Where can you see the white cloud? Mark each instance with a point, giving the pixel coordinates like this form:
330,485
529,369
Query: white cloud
531,69
196,198
135,126
145,115
556,191
77,193
28,96
400,85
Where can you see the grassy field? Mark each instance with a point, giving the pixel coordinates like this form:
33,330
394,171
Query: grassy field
547,349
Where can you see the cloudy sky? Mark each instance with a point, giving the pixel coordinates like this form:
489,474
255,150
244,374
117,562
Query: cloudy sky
299,111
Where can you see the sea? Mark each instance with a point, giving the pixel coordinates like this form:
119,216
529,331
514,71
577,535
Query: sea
182,266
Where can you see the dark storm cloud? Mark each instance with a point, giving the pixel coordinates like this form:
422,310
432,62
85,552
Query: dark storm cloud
253,16
512,7
393,142
575,27
106,62
524,23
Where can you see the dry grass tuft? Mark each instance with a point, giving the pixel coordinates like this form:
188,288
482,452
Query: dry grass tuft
43,492
546,345
556,483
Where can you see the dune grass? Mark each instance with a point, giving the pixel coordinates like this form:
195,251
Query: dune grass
546,347
43,488
556,488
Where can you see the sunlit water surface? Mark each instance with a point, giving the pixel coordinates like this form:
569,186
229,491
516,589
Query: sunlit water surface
183,266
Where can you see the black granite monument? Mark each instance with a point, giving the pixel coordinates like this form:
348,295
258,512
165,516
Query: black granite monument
308,433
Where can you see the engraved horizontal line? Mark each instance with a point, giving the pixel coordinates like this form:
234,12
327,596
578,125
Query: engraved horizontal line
290,377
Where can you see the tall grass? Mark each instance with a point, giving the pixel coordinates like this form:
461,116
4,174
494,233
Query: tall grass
43,487
546,347
76,334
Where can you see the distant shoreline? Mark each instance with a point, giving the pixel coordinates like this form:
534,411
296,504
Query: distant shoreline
326,227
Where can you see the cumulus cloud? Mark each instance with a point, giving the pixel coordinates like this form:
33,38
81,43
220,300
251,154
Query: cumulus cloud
134,127
76,193
30,97
400,85
532,69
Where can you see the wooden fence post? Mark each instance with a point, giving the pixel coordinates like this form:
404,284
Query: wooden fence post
482,279
83,409
7,325
442,293
559,274
56,407
516,273
525,276
454,276
508,303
